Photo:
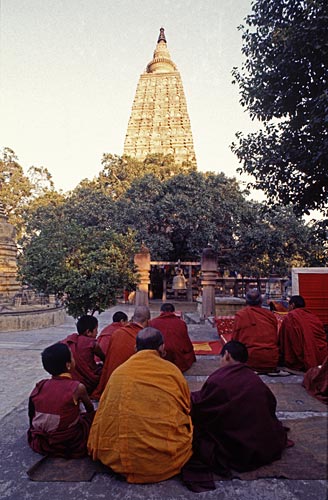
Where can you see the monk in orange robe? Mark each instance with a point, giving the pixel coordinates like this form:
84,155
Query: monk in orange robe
119,319
142,428
257,328
302,338
122,345
316,381
84,348
178,346
57,428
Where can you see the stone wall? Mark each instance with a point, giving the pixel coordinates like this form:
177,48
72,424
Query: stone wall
14,321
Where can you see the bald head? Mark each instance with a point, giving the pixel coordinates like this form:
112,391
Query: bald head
253,297
149,338
141,315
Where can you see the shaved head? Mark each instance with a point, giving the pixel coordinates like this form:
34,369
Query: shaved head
149,338
253,297
141,314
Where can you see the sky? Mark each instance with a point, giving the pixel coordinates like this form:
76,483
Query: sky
69,71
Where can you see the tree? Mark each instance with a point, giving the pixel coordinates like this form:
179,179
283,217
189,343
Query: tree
71,249
283,83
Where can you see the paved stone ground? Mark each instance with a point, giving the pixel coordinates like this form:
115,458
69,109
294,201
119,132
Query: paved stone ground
20,369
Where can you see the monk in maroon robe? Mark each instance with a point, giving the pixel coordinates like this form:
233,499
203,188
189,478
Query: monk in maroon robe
57,428
257,328
119,319
316,381
122,345
178,346
84,348
302,338
235,425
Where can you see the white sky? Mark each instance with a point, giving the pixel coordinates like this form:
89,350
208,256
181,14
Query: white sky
70,68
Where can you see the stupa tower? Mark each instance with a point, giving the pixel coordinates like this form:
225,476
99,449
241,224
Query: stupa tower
159,121
9,284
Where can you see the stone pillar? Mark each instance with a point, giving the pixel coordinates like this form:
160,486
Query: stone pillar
142,263
209,275
9,284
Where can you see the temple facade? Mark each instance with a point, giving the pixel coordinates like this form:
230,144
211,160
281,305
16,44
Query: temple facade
159,121
9,284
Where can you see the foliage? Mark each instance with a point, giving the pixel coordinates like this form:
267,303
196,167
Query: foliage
283,83
119,172
70,249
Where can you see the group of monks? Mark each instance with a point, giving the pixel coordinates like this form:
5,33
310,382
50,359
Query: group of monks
148,427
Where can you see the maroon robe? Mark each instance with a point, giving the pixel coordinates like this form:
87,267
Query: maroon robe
178,346
316,381
235,425
122,346
56,426
105,335
257,328
86,369
302,340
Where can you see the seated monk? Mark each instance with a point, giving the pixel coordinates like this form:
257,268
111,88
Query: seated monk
178,346
316,381
257,328
119,319
56,426
121,346
84,348
142,428
302,338
235,424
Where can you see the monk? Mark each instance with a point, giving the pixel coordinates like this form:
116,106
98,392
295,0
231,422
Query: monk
119,319
257,328
121,346
57,428
316,381
142,429
302,338
84,348
235,424
178,346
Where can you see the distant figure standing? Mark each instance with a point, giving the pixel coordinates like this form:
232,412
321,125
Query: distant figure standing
84,348
257,328
56,426
119,319
178,346
302,338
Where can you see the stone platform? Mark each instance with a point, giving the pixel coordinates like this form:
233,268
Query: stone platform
20,369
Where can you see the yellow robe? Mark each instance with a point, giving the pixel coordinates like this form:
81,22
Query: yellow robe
142,428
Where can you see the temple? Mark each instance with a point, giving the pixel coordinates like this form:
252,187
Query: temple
159,121
9,284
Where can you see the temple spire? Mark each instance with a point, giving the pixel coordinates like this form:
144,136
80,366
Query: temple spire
161,37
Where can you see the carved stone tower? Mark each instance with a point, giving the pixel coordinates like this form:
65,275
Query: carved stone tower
9,285
159,121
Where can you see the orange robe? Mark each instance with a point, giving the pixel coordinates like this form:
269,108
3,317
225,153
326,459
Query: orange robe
122,345
316,381
142,428
257,328
178,346
302,340
105,335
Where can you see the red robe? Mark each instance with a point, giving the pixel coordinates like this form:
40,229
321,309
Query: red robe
121,346
86,369
302,340
235,424
178,346
257,328
316,381
56,426
105,335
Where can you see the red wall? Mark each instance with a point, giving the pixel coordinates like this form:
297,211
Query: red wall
314,290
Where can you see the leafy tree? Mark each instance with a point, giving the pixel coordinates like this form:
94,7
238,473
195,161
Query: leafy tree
71,249
283,83
119,172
